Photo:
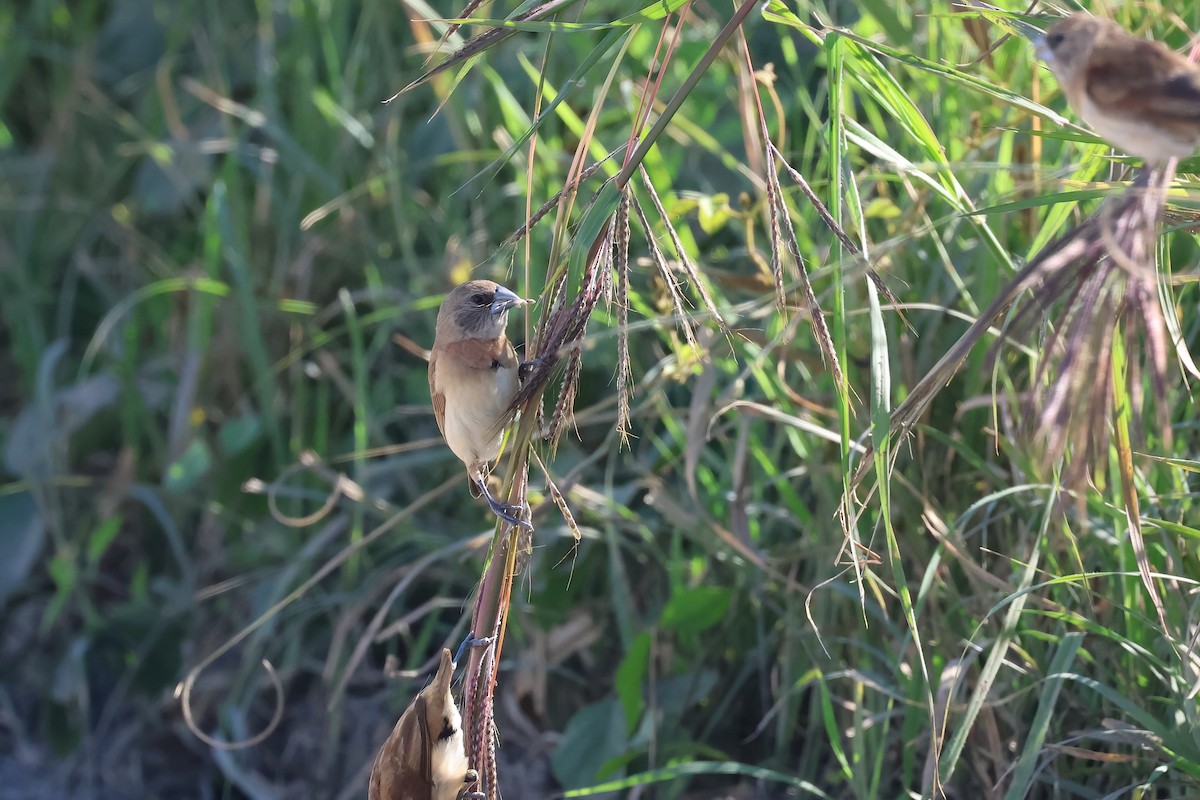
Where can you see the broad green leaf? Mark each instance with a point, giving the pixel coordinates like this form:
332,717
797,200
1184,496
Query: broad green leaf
630,679
693,610
194,463
22,534
595,734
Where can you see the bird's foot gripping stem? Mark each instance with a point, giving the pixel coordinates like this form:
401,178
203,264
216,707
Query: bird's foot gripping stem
528,367
510,514
472,641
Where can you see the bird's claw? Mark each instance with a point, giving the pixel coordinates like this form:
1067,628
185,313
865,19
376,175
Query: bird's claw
470,780
510,514
472,641
526,368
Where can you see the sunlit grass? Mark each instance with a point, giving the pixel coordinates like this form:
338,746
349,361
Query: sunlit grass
211,245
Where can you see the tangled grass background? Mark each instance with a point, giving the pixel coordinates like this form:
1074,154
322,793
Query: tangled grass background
865,375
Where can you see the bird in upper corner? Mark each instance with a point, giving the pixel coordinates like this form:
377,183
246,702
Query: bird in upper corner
1139,95
474,375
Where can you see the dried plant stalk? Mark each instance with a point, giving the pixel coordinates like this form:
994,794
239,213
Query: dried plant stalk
624,377
664,270
774,207
835,228
816,319
566,398
559,500
1112,280
553,202
466,12
484,41
681,255
566,324
1102,272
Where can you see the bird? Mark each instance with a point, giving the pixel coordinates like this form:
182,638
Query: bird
474,375
424,757
1139,95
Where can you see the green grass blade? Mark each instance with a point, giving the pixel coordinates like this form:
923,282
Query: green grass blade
1064,658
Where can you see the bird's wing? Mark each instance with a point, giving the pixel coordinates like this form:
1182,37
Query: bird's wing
1143,78
1180,96
435,392
402,769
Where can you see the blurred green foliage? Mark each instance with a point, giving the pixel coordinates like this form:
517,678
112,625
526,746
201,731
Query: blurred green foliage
212,232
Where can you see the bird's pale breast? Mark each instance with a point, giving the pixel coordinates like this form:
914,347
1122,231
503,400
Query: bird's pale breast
1137,136
448,763
475,410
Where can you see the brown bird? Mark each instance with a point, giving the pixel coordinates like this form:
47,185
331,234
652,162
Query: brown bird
424,757
473,377
1137,94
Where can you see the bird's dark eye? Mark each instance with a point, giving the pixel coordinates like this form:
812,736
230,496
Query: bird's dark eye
480,299
1055,39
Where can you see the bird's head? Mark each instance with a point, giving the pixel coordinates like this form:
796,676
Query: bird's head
476,310
1066,45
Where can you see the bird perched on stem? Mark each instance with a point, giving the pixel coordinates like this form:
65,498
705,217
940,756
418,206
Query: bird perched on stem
473,377
424,757
1139,95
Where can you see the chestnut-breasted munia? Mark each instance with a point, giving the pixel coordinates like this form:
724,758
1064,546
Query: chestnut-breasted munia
424,758
474,375
1139,95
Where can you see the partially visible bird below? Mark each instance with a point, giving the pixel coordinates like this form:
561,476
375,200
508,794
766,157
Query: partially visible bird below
1139,95
424,757
474,375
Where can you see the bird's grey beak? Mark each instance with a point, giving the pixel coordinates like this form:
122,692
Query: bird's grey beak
1042,49
504,300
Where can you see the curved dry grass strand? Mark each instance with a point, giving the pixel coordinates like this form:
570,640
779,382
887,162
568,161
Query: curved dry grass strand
1074,257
